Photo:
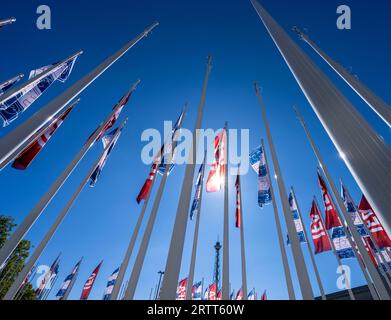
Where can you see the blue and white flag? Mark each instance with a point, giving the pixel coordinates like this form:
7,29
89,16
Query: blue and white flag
4,86
341,243
196,291
14,106
258,162
65,286
109,139
197,196
296,219
252,295
110,284
206,294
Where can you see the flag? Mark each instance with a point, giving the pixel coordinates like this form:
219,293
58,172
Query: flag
48,279
239,295
374,226
341,243
6,85
181,290
216,178
197,195
231,297
67,282
212,292
109,142
110,284
332,219
252,295
196,291
258,163
264,296
238,215
319,233
147,184
296,218
171,146
14,106
26,157
90,283
206,294
219,295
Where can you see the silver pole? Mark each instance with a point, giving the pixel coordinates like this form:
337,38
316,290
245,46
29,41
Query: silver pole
380,107
14,140
365,153
60,218
288,276
175,252
34,214
161,274
318,279
243,252
7,21
373,272
12,80
195,239
301,269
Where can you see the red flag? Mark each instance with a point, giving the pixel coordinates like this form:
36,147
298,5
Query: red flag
375,227
25,158
217,172
219,295
212,292
332,219
90,283
319,233
264,296
239,295
181,290
238,204
148,183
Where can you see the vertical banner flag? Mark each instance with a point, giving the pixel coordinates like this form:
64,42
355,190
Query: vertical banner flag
252,295
147,184
90,283
48,278
319,233
14,106
212,290
332,219
26,157
67,282
197,195
239,295
264,296
206,294
374,225
4,86
232,296
238,215
196,292
341,243
258,163
110,284
383,256
181,290
219,295
109,139
216,178
296,218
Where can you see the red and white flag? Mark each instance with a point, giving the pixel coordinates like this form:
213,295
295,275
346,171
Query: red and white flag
25,158
264,296
219,295
216,178
319,233
90,283
212,292
332,219
238,215
239,295
181,290
373,224
143,194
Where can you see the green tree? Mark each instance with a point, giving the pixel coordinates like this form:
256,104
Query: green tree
16,261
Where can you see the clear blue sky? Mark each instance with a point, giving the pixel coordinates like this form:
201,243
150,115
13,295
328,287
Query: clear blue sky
171,64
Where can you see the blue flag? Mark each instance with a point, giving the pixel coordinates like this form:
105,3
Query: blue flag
258,162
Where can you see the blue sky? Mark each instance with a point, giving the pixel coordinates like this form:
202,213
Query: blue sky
171,64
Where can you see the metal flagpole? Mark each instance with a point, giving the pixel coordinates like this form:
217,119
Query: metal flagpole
34,214
365,153
301,268
380,107
13,141
287,272
195,239
319,280
243,252
39,249
225,283
175,252
347,280
161,274
70,287
7,21
358,246
13,80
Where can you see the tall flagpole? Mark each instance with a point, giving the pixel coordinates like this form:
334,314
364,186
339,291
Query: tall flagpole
243,252
190,280
225,283
13,142
366,154
373,272
7,21
34,214
301,268
379,106
175,252
60,218
287,272
318,279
